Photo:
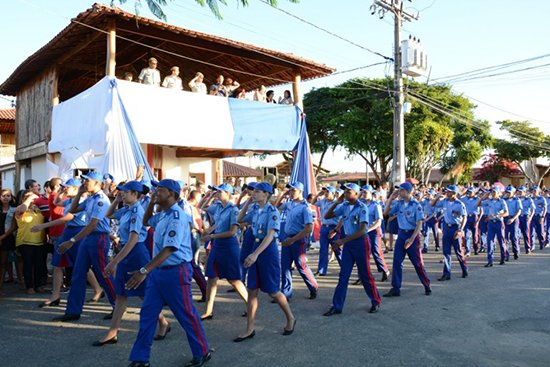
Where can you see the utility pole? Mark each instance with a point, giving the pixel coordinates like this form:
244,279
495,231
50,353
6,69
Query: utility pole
399,15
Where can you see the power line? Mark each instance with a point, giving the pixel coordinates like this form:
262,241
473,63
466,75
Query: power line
458,80
327,31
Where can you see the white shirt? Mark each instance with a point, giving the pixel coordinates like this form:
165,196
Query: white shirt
150,76
172,82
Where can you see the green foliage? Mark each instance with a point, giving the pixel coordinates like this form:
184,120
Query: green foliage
155,6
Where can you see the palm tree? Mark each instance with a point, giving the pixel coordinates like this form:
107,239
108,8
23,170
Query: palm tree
155,6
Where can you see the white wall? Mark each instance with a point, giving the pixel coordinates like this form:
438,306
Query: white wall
179,168
8,179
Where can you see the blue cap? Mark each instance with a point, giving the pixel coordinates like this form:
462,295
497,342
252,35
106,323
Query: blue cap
471,189
72,182
108,175
296,185
376,193
431,192
169,184
330,189
339,191
251,185
146,183
453,188
368,188
223,187
407,186
351,186
510,188
534,188
496,189
264,186
522,189
131,186
96,176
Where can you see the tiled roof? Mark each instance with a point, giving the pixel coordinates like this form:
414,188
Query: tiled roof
7,114
236,170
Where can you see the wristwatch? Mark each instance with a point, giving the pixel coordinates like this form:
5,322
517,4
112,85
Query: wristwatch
72,240
143,270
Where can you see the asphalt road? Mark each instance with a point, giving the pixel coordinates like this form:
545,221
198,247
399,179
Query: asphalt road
496,317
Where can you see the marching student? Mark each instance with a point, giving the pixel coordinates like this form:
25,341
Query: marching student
496,210
169,275
527,212
409,218
455,215
262,263
471,230
298,225
537,222
324,200
94,248
356,248
223,260
133,255
375,231
511,222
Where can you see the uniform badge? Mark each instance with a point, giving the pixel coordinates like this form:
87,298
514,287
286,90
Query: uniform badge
133,220
100,203
171,233
364,212
275,217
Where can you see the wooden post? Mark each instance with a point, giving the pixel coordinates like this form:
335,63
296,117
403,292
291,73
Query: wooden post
297,78
111,49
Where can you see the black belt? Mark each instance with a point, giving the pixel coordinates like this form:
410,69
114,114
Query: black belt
329,225
451,225
168,267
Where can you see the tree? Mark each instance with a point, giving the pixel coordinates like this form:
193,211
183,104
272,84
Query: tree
156,6
525,144
321,125
494,167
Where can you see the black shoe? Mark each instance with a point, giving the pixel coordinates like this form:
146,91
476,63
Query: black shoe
385,276
444,278
162,337
424,250
66,317
243,338
516,256
109,316
93,300
475,252
437,249
139,364
488,265
50,303
392,293
99,343
202,300
244,314
208,317
502,262
464,274
374,309
332,311
289,332
197,362
231,290
313,294
427,291
357,282
317,274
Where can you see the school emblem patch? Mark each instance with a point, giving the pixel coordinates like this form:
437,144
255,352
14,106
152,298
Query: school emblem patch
275,217
100,203
171,233
133,220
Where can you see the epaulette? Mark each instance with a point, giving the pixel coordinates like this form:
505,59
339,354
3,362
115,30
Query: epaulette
176,214
134,209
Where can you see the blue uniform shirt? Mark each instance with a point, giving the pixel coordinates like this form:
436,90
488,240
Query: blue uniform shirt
514,205
96,207
540,205
408,214
79,219
297,216
375,211
223,218
428,208
471,204
324,205
353,216
130,219
485,206
263,219
495,207
172,229
527,206
453,211
144,201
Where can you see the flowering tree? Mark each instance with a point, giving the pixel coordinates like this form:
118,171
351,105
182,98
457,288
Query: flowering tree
493,168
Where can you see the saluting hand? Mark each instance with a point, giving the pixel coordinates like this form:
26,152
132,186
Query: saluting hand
136,279
341,198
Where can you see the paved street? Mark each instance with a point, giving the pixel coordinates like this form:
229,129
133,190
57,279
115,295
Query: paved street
496,317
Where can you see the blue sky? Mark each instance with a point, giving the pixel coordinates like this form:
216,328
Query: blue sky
458,36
